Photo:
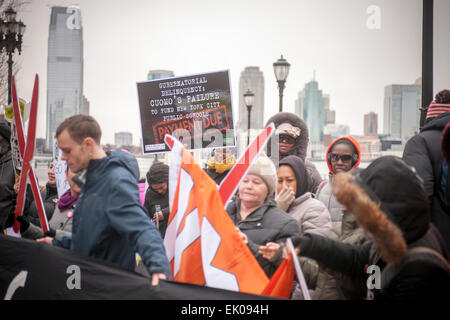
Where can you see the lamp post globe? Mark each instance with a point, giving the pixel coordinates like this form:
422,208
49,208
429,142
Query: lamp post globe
281,70
249,98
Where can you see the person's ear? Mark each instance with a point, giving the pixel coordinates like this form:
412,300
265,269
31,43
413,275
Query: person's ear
89,144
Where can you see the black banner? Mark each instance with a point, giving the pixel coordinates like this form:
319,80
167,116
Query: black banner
195,109
30,270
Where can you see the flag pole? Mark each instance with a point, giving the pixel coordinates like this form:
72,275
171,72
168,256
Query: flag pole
298,270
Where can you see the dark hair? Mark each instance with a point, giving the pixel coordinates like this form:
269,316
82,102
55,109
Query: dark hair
443,97
80,127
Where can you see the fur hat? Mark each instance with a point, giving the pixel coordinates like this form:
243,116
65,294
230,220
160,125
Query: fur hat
297,126
5,131
264,168
287,128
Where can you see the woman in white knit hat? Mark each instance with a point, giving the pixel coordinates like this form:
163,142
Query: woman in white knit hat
256,214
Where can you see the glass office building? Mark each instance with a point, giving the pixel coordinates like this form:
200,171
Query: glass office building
64,68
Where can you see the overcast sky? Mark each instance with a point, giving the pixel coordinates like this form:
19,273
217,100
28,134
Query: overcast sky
123,40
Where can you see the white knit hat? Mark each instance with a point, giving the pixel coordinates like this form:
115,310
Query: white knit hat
264,168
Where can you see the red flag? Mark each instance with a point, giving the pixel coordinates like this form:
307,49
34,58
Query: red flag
280,285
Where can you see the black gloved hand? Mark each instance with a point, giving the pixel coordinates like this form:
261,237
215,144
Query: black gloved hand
50,233
24,224
297,241
9,221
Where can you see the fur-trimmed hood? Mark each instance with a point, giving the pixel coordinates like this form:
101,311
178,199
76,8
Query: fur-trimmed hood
389,202
302,141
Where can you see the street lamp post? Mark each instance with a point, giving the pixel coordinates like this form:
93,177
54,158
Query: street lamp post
249,98
11,32
281,69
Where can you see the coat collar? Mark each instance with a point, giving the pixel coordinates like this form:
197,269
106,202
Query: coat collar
257,214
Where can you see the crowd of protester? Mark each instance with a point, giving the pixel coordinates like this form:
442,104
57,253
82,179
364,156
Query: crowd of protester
394,214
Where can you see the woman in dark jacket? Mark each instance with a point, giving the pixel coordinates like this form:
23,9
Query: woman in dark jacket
61,222
292,139
389,202
257,215
157,195
49,196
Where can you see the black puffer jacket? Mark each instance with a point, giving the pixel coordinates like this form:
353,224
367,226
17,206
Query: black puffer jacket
300,148
390,182
423,152
265,224
49,197
7,194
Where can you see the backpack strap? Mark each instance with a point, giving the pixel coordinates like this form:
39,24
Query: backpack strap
428,250
391,269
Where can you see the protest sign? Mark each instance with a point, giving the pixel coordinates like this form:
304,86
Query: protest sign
196,109
60,167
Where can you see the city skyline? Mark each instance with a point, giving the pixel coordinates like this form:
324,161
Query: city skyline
353,62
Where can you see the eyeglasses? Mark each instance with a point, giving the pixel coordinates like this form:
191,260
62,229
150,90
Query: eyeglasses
286,138
344,157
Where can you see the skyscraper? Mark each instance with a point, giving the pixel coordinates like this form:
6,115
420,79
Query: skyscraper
251,78
159,74
401,110
86,106
371,124
311,104
123,139
330,115
64,68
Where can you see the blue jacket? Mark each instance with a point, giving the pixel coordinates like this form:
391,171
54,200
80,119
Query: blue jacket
109,222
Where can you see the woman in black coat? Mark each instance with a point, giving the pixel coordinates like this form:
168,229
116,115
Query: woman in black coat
390,204
256,214
157,195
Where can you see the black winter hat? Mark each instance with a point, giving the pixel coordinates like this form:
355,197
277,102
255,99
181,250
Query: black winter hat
297,165
5,131
158,173
393,184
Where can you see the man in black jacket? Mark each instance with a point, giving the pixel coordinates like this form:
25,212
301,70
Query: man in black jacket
423,152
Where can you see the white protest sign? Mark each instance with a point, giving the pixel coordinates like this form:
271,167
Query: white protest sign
60,167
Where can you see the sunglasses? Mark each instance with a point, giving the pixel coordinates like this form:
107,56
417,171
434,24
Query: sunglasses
286,138
344,157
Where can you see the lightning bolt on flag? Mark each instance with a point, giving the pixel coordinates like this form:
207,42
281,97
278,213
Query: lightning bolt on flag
201,241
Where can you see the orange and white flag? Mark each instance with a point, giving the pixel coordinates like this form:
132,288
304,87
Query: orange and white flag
201,241
202,244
